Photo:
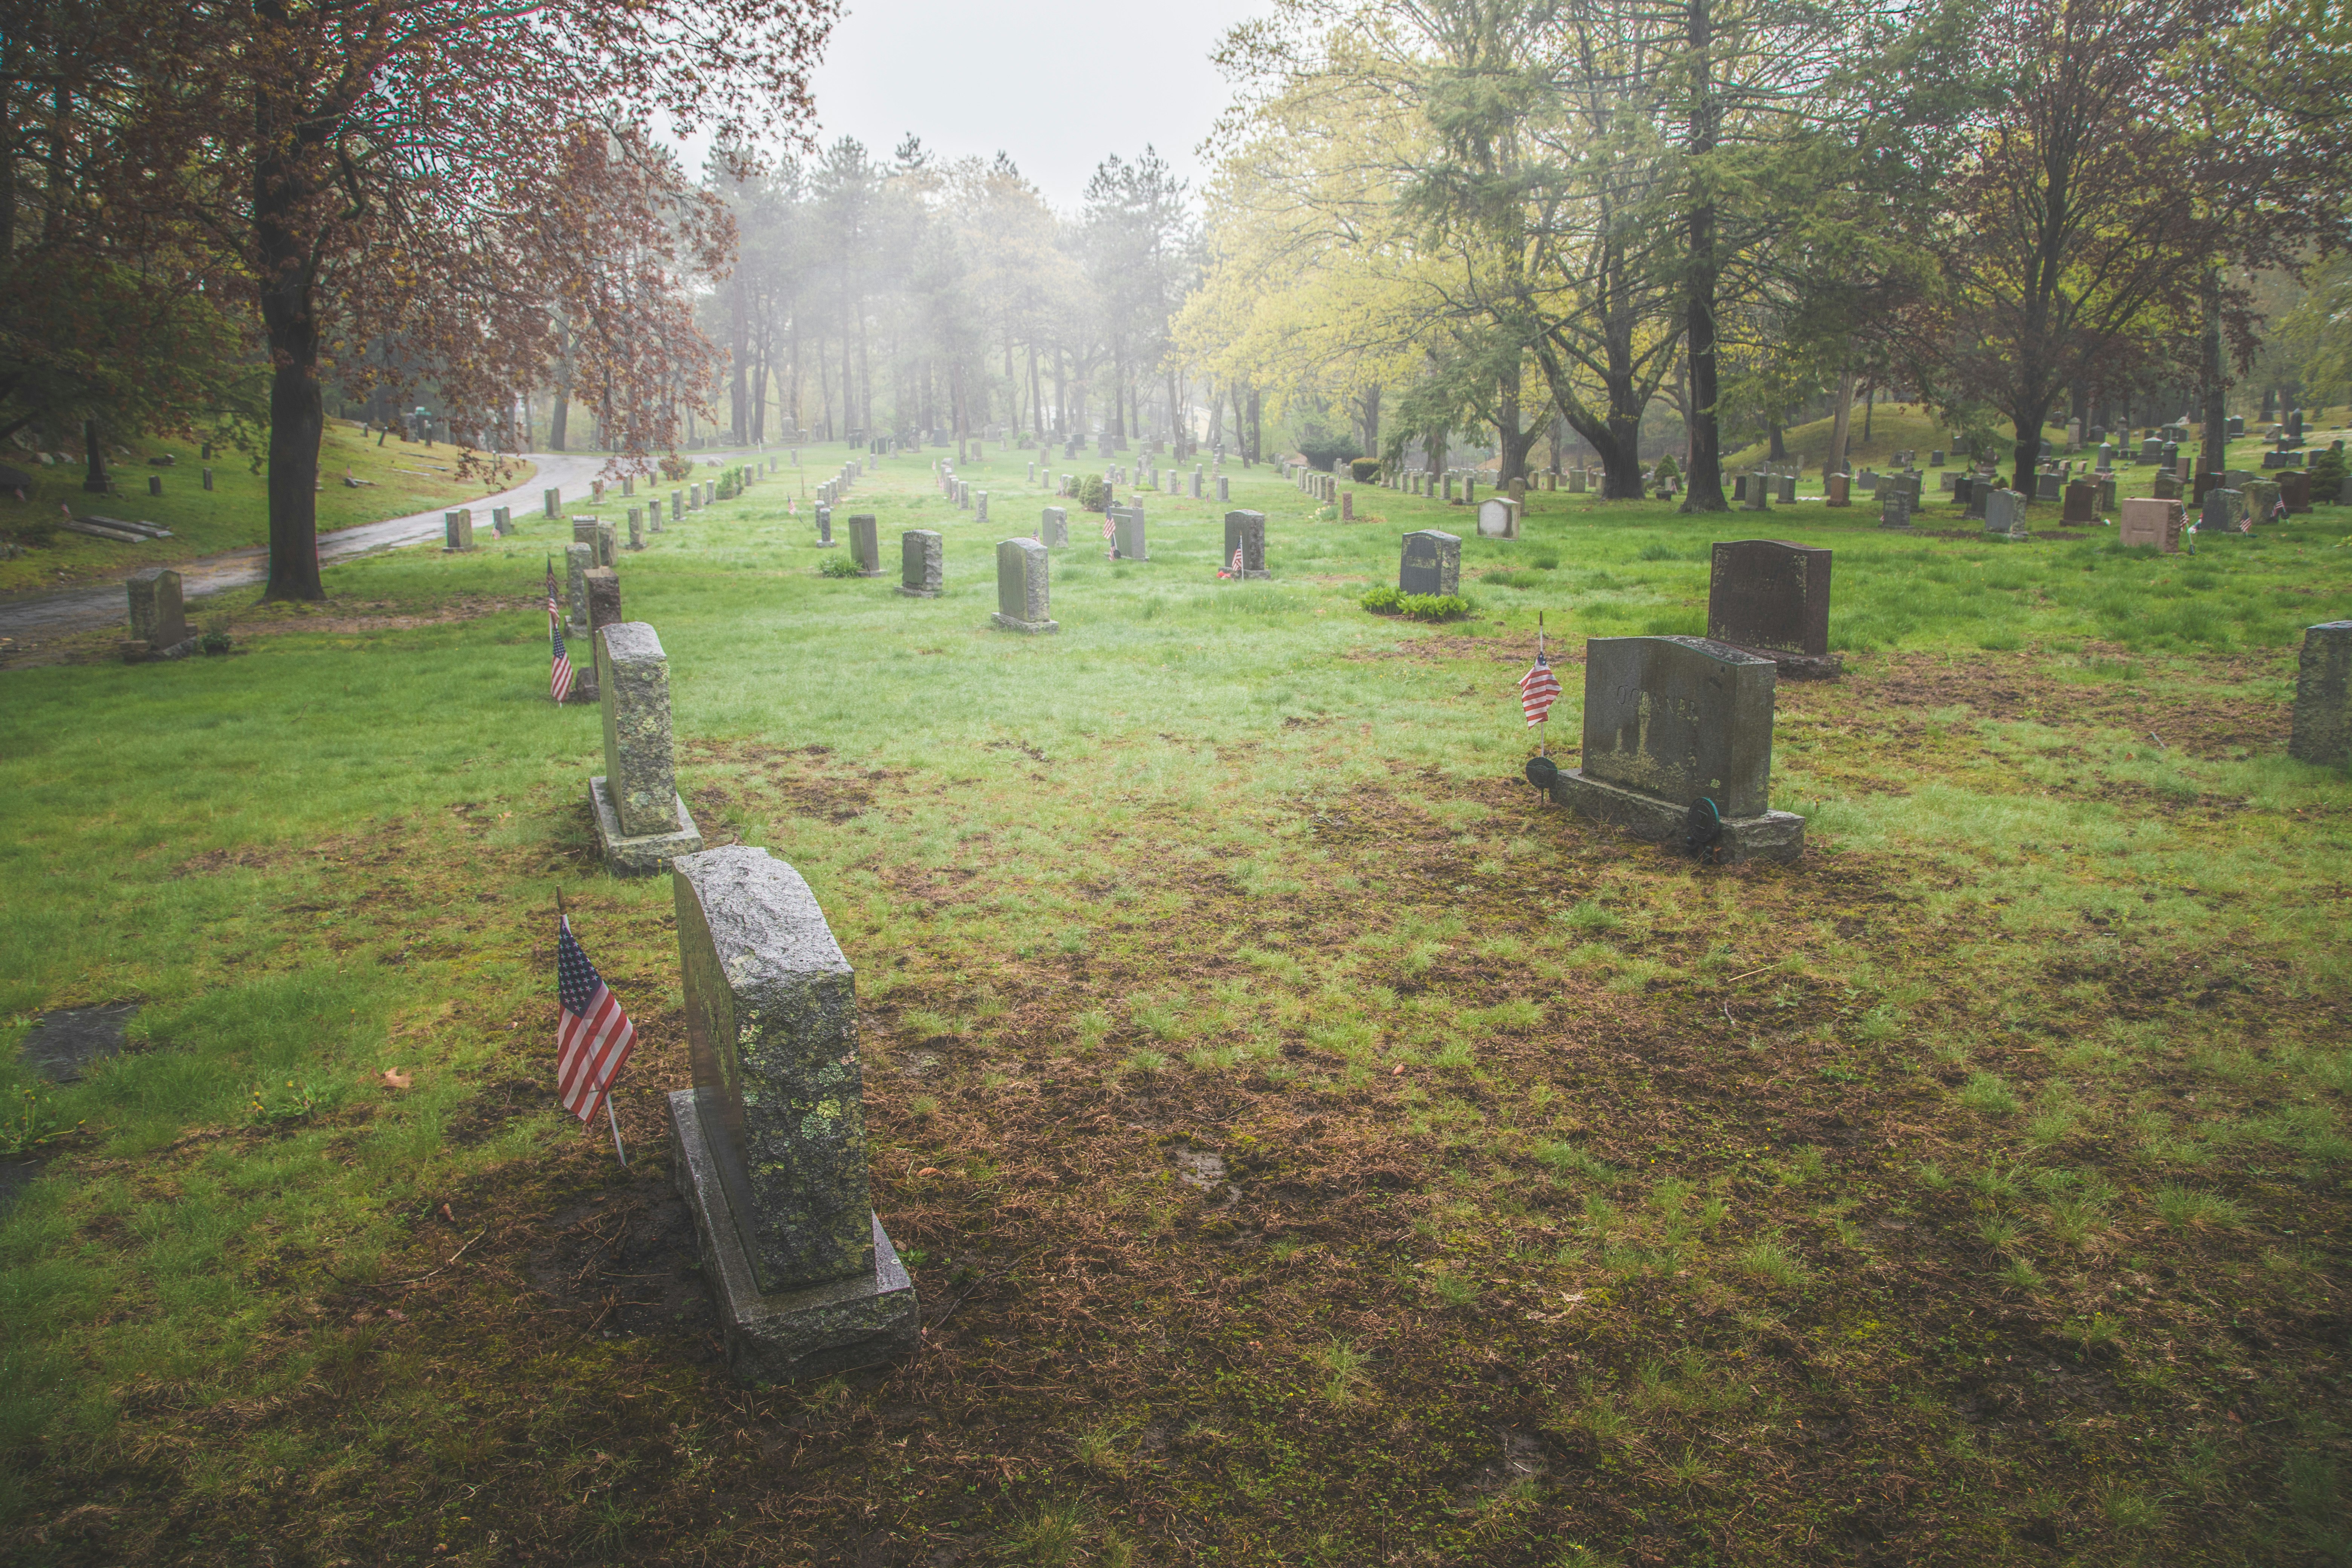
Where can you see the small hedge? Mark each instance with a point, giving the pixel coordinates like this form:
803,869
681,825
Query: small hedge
1364,471
1094,495
1387,601
839,566
2327,476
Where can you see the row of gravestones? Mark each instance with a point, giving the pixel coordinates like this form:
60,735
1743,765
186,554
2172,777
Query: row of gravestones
768,1146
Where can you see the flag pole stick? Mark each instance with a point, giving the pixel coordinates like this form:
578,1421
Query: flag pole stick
1543,744
616,1130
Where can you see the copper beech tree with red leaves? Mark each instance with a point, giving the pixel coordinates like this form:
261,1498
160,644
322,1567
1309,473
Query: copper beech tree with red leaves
450,190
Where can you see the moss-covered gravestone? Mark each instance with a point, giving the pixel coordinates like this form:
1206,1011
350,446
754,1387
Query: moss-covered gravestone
768,1146
2322,696
157,617
864,547
922,562
1676,727
642,824
458,531
1245,535
1023,587
1053,527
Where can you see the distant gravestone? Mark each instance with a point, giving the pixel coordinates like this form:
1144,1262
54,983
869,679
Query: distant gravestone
2261,500
502,522
768,1146
2081,503
2149,522
923,563
458,532
1678,732
550,498
1758,493
1771,598
2004,513
1245,533
1498,518
865,548
636,528
1894,506
2322,696
1053,527
641,821
1225,488
2167,485
1837,490
2046,486
1787,489
1936,457
157,616
1023,587
2295,490
980,506
677,506
1430,563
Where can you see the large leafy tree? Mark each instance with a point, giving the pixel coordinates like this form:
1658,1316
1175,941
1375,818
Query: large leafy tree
480,183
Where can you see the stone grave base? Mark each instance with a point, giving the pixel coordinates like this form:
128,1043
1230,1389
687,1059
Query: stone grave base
1775,835
1796,666
137,651
646,855
1015,623
815,1332
919,593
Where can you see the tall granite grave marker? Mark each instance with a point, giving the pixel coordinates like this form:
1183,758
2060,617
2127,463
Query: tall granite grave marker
157,616
1023,596
1770,598
1246,531
2322,696
641,822
865,546
1053,527
1126,541
923,563
768,1146
458,532
1673,727
2004,513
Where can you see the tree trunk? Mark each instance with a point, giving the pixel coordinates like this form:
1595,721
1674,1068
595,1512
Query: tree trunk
1841,423
2217,420
1705,477
297,415
737,389
1256,453
1512,442
1778,449
2027,420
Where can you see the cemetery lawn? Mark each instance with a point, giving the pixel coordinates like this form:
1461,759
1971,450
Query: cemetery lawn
1310,1147
234,514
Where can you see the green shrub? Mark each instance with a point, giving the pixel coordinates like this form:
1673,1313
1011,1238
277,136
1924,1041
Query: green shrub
1387,601
1667,470
1324,451
1365,469
2327,470
838,566
1094,495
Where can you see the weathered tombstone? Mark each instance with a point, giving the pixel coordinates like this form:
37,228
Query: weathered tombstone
1024,598
628,484
502,522
1225,488
579,559
550,498
636,528
1449,489
2322,696
458,531
2294,489
1894,506
597,492
641,822
2004,513
1053,527
864,546
768,1146
1788,490
2046,488
677,506
1757,496
1670,721
2237,426
1198,475
2107,496
1936,457
157,616
1346,506
1469,490
1771,598
603,585
209,479
1128,542
2261,500
1498,518
2167,486
2081,503
1246,531
1430,563
2146,522
923,563
824,539
2222,510
1837,490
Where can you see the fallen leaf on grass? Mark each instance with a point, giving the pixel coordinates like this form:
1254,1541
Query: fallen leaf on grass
929,1171
396,1079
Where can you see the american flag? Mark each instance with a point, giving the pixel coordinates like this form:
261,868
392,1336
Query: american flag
593,1041
559,676
1237,559
1539,690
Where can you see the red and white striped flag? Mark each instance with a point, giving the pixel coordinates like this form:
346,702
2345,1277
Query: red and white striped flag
559,674
1237,559
1539,690
593,1036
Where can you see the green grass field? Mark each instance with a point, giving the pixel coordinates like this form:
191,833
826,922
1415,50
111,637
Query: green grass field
1973,1192
399,480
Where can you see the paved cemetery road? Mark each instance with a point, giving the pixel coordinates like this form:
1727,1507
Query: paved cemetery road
101,604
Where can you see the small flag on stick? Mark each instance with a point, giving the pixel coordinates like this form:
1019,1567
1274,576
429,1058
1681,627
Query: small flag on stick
593,1036
1539,690
559,676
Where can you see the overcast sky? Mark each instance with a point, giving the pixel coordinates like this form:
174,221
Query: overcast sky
1058,84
